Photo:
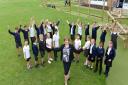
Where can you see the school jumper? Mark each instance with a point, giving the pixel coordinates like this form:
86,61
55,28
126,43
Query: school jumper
17,38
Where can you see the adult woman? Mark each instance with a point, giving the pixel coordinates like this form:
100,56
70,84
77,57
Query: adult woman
66,56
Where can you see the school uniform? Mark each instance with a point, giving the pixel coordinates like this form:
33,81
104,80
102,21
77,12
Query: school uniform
25,34
17,38
32,33
114,36
26,51
49,44
42,45
67,56
38,31
77,46
80,31
99,59
86,48
87,32
41,29
72,31
92,53
110,55
94,32
49,30
35,51
56,45
103,36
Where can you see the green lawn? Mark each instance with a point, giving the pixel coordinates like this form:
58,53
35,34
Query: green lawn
13,69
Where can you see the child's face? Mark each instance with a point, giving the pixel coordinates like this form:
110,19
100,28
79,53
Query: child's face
92,41
26,42
110,44
41,37
48,35
77,37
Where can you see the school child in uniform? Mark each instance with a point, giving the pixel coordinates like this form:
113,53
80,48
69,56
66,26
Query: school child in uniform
25,32
49,29
103,36
77,45
92,54
41,27
86,49
16,35
38,31
114,36
80,30
94,31
109,57
27,57
49,48
99,57
35,52
56,44
42,45
32,32
72,30
87,31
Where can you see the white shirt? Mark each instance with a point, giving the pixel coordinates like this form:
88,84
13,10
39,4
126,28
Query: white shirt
49,29
32,31
77,44
79,30
87,45
72,30
91,48
49,43
109,49
56,27
26,51
45,32
56,40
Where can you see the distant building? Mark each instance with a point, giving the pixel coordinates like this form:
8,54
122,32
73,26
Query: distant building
108,3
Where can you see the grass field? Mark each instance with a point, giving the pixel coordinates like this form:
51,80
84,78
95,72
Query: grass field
13,69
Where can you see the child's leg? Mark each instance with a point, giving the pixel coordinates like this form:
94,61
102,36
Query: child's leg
55,55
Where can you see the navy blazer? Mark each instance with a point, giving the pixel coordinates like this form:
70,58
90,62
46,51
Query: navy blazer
94,32
74,28
94,51
111,55
25,33
100,52
72,49
87,30
38,31
103,35
16,36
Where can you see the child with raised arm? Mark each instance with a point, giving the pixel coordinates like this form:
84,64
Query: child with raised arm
16,35
72,28
42,44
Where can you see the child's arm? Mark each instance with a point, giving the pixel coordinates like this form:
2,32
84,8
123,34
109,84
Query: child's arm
12,33
58,22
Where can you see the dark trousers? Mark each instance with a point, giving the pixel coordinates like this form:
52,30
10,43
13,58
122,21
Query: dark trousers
32,39
55,54
107,69
66,67
99,65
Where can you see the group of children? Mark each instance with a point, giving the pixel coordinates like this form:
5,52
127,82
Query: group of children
45,37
